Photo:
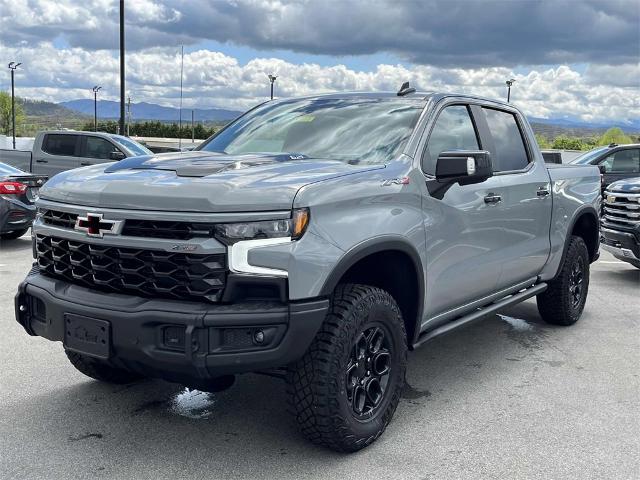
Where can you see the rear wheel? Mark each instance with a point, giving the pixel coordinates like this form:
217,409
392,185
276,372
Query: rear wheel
563,301
346,388
100,370
14,234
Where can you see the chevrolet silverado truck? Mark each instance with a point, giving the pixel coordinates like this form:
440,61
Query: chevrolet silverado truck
317,238
57,151
621,221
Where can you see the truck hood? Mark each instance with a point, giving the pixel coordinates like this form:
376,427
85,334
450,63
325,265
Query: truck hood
628,185
196,182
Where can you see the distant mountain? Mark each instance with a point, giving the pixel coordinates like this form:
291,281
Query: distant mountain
41,108
631,126
150,111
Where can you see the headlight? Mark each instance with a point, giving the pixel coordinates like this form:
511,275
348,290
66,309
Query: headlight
293,227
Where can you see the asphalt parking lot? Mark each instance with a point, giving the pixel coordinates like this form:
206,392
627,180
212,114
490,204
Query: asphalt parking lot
507,398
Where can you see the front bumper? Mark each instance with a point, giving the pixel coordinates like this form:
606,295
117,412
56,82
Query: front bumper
623,245
184,342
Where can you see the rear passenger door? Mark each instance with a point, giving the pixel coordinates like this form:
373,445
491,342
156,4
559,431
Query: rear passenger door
526,194
59,152
97,150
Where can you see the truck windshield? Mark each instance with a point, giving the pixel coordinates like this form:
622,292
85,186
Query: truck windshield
133,146
354,130
586,158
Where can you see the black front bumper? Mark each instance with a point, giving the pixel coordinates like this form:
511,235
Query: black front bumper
184,342
623,244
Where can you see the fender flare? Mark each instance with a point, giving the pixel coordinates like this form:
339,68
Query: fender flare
376,245
584,210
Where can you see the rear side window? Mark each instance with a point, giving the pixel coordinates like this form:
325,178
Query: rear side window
509,152
453,130
99,148
55,144
623,161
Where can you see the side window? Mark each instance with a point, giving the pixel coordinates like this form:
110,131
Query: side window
623,161
453,130
99,148
510,152
63,145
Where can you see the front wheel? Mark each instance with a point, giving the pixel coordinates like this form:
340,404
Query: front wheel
563,301
346,388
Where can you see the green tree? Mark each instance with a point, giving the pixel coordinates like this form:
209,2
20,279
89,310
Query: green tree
5,113
543,142
563,142
614,135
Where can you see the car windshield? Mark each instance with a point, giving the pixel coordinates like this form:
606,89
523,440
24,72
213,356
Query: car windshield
586,158
131,145
9,170
354,130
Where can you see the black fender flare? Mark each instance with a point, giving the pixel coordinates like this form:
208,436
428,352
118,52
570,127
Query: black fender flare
376,245
583,210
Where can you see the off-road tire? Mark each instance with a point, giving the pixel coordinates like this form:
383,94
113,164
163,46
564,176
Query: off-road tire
13,234
317,384
556,305
100,370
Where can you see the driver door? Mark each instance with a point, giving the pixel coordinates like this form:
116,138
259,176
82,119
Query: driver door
98,150
463,223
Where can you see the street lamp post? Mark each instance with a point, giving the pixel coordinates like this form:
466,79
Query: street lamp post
272,79
509,83
95,107
12,67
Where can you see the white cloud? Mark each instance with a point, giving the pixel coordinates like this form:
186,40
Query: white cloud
215,79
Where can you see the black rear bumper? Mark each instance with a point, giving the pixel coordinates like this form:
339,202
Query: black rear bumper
184,342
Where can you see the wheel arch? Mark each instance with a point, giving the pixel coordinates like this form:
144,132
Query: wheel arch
395,254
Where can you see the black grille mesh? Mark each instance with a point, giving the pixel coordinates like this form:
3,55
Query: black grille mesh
150,273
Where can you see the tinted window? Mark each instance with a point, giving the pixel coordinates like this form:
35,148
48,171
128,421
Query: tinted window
588,157
99,148
55,144
623,161
352,130
509,150
453,130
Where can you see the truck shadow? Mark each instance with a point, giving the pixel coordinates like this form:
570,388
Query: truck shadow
18,245
104,427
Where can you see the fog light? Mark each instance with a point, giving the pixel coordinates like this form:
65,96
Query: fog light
259,336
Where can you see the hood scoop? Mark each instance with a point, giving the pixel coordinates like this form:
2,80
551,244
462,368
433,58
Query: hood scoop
200,164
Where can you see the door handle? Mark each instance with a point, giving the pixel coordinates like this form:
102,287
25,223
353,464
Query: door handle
85,164
492,199
542,192
42,161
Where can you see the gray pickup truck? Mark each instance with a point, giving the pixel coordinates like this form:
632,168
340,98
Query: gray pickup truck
319,239
58,151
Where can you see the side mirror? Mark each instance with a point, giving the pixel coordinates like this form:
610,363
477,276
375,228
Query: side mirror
603,168
117,155
464,167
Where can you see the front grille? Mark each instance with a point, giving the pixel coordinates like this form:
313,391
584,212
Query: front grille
59,219
139,228
149,273
623,210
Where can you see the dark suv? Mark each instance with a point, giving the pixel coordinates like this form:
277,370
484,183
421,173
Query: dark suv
619,162
621,221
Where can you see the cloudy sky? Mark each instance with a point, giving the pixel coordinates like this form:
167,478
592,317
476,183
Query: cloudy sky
575,59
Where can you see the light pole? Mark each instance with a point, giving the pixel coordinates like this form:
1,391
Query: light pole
121,121
509,82
272,79
95,107
12,67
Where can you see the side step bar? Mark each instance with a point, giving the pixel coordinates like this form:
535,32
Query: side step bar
480,313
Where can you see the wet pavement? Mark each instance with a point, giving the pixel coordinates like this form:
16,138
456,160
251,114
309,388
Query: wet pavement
510,397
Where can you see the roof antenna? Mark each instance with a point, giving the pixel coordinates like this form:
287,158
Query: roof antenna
405,89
